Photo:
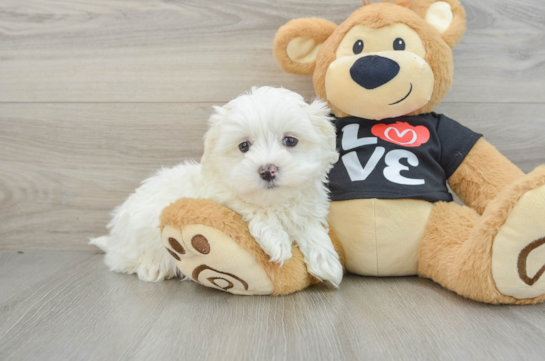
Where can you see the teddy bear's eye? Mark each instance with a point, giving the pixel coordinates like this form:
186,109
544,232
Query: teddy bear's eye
358,47
399,44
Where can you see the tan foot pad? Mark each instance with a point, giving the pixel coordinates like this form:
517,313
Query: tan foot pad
211,258
518,252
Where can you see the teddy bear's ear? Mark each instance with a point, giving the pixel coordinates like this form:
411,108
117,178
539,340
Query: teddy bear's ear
296,44
447,16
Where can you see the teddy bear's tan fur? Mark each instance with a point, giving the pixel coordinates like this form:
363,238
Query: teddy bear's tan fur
457,247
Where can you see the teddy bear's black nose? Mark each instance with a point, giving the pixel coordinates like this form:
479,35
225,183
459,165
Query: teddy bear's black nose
373,71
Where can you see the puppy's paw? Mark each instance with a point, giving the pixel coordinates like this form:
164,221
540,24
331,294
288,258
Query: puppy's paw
324,264
277,245
279,253
150,273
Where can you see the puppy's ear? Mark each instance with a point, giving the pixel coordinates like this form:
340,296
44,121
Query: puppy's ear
296,44
212,135
447,16
320,117
218,114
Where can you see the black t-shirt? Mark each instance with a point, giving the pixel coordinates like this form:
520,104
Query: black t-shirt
409,157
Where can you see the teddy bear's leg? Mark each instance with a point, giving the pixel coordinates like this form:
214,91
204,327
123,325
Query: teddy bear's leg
498,257
213,246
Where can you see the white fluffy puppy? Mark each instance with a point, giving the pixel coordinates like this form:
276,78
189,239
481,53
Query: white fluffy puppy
267,154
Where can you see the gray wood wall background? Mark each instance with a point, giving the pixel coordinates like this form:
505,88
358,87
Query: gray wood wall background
97,94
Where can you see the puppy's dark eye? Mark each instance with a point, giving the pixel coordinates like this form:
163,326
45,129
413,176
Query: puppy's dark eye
290,141
244,147
399,44
358,47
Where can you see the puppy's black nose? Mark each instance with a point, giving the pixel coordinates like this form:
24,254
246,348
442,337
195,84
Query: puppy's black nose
373,71
268,172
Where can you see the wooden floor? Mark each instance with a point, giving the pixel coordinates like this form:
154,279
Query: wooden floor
97,94
67,306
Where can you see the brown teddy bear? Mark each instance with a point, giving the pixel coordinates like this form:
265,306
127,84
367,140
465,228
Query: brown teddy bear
382,72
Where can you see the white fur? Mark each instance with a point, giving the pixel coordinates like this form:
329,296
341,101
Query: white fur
294,210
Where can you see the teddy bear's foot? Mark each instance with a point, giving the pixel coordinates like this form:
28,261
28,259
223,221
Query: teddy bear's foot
213,246
212,258
518,252
496,258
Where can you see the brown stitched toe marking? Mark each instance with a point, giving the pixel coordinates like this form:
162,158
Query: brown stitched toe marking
200,243
173,254
523,257
203,267
212,279
176,245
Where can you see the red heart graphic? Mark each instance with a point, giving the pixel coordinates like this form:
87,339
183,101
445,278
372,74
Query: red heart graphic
402,134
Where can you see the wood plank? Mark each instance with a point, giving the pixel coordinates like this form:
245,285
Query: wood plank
84,312
26,277
64,167
212,50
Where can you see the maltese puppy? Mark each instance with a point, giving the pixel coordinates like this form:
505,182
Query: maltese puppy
266,156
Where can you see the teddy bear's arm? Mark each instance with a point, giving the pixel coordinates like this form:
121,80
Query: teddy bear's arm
482,175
